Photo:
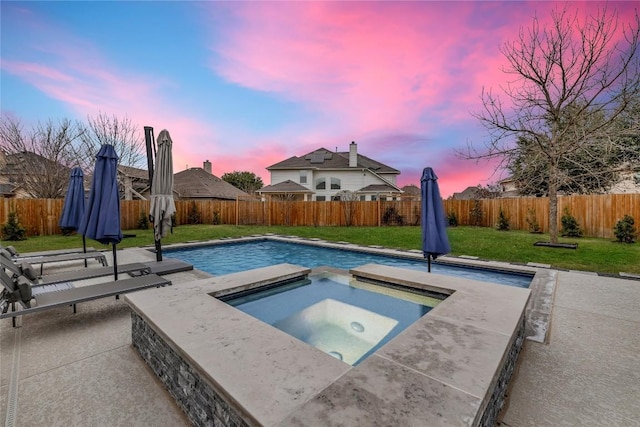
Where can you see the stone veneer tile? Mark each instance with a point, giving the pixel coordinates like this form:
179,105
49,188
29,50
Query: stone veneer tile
460,355
382,393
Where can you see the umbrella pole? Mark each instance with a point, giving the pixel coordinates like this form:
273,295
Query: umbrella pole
84,249
115,262
429,263
158,250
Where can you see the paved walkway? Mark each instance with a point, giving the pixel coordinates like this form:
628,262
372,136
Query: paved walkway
588,373
61,369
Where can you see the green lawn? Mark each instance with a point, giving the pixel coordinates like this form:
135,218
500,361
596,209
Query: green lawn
599,255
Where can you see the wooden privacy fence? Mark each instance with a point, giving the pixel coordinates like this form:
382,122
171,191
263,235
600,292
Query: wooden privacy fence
596,214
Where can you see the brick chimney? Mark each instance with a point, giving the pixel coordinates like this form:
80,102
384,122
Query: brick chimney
353,154
206,165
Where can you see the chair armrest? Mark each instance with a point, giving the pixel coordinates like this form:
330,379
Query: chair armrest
24,287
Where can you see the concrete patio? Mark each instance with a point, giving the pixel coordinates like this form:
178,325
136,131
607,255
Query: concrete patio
66,369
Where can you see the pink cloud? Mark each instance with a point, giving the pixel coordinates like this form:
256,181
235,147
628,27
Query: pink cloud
379,65
372,65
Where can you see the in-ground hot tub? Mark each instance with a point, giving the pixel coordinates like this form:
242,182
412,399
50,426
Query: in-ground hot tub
345,318
450,367
328,326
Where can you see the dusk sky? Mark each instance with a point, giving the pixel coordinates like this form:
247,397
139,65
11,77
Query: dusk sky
248,84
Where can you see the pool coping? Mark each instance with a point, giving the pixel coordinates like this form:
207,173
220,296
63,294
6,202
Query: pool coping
543,282
274,379
413,254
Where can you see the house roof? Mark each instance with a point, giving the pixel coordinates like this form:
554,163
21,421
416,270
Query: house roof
287,186
7,189
197,183
325,159
378,188
14,164
468,193
411,190
134,172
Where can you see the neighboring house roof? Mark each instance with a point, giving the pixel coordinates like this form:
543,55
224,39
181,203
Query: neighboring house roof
14,163
378,188
325,159
412,191
132,172
197,183
7,190
469,193
287,186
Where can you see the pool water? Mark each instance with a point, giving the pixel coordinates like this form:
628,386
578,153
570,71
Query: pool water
348,320
233,257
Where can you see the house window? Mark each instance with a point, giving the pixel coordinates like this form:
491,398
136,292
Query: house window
335,183
374,197
320,198
303,177
363,197
321,184
335,198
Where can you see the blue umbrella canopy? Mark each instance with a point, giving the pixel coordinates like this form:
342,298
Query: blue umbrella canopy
101,221
435,241
73,208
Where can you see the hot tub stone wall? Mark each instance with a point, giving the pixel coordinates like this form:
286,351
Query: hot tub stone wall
490,416
202,404
205,407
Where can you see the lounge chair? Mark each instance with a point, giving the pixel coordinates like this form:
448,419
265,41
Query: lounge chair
98,256
14,253
20,290
26,269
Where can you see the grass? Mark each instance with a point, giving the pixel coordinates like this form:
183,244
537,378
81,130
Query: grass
599,255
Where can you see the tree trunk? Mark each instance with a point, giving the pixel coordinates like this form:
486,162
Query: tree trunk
553,202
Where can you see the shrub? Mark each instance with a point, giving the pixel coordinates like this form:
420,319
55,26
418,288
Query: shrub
143,221
625,231
503,221
452,219
194,217
532,221
475,215
570,226
391,216
216,218
13,230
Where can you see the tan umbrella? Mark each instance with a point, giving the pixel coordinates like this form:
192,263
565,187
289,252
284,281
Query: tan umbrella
162,204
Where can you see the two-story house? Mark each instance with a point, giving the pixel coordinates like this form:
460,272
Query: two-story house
322,175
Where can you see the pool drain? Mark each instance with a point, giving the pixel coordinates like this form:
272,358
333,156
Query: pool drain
336,355
356,326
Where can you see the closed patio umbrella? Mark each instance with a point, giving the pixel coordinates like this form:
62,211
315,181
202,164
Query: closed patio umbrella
162,204
73,207
101,220
435,241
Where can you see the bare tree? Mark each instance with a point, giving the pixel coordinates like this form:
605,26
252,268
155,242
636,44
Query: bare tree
348,203
126,138
572,79
39,159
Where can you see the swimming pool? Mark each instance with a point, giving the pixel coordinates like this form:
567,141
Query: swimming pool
233,257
